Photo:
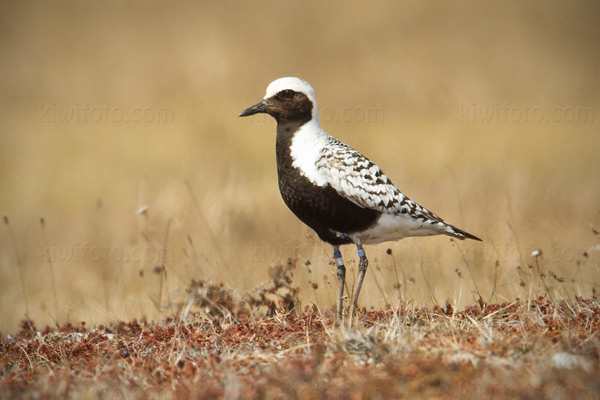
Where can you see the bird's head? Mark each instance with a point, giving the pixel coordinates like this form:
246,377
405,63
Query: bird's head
287,100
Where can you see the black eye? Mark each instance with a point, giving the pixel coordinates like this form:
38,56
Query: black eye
287,94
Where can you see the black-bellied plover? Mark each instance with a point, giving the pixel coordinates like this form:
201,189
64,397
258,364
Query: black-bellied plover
333,188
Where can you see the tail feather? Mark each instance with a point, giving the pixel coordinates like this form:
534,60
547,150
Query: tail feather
460,234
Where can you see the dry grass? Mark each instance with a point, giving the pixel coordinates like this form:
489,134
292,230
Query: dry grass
214,349
134,211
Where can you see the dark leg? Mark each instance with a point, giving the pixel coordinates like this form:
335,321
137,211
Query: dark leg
362,269
341,274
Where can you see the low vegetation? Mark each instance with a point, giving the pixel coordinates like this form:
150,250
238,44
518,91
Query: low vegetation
262,346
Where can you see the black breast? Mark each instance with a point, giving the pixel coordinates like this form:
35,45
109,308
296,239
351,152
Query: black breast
321,208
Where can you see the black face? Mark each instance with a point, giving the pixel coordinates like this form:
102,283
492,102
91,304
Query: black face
286,106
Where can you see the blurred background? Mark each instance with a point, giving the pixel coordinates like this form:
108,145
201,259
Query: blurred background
119,129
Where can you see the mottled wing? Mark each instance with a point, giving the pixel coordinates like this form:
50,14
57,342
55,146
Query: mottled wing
359,180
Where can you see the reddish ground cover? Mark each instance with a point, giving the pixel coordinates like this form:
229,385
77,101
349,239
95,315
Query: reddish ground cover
540,349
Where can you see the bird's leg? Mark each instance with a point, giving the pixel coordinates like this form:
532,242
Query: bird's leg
341,275
362,269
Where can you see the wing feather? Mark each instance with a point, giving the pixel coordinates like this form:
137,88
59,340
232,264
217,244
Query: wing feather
359,180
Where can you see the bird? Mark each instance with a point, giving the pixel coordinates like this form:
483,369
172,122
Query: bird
334,189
